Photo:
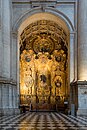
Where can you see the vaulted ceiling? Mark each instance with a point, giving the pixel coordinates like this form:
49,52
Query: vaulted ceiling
43,36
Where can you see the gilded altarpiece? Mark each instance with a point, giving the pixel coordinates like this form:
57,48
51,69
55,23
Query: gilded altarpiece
43,69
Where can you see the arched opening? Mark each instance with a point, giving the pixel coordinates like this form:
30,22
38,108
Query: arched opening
44,58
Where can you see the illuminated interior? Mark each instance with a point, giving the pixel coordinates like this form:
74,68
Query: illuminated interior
43,66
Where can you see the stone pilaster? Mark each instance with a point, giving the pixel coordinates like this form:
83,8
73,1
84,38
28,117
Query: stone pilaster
82,98
73,98
8,86
14,56
82,40
1,45
79,97
82,58
72,62
6,38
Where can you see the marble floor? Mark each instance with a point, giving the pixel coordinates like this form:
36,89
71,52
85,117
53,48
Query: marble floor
43,121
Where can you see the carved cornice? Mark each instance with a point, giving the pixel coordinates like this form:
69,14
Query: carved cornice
79,83
43,3
36,3
7,81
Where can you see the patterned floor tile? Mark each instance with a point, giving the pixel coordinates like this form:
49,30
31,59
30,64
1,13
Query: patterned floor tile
43,121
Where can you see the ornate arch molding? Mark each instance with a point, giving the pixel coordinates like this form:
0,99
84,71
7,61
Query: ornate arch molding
50,10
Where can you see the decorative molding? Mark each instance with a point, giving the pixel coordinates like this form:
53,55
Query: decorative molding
14,34
43,3
37,1
51,10
7,81
79,83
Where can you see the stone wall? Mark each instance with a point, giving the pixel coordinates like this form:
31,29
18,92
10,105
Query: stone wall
8,97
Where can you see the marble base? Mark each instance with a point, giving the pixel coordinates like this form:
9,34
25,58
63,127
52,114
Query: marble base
82,112
9,99
9,111
79,98
82,98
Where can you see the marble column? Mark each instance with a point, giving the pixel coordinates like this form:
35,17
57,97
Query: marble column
1,46
72,66
82,40
82,57
6,38
8,87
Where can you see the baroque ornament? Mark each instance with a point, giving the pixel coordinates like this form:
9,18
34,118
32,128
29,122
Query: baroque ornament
43,62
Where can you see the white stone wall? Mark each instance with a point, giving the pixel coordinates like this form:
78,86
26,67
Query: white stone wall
19,10
14,56
68,9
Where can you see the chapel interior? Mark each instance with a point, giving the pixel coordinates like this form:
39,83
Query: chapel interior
44,73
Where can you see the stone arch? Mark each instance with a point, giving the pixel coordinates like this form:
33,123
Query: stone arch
35,18
43,16
37,10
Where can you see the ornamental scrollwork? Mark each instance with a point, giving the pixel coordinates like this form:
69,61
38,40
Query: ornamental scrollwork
43,61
